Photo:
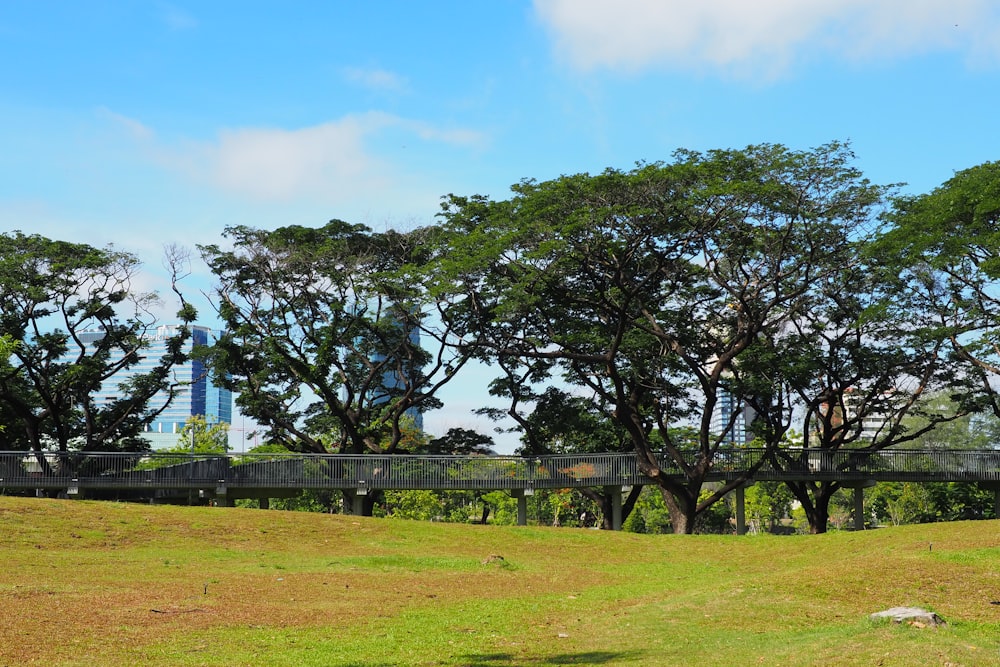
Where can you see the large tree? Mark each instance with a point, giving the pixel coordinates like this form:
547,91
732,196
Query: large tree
330,339
647,286
77,320
860,363
946,246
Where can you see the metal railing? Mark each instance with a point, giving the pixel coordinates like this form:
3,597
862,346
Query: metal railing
887,465
234,473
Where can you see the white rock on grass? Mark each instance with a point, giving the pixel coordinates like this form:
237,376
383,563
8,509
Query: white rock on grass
912,615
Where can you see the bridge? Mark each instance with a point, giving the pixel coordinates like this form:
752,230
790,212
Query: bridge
223,478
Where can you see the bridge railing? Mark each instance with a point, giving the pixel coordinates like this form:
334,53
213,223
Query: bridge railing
884,465
23,470
434,472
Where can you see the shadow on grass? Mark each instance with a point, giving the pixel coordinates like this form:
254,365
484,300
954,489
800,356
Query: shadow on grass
510,660
585,658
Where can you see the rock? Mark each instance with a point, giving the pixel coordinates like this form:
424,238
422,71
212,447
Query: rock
915,616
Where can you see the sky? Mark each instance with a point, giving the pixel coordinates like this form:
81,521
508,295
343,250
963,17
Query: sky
143,123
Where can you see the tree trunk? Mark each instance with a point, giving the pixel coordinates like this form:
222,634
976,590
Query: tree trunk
606,503
607,514
628,503
815,501
819,517
367,503
682,522
682,510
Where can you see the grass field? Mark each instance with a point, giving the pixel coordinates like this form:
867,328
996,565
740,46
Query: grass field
91,583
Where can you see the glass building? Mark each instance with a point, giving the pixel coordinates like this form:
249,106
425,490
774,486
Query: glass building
198,395
392,381
732,419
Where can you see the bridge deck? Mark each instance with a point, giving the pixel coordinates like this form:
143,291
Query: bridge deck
249,475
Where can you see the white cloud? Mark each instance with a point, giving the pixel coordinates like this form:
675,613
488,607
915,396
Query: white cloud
376,79
134,128
763,38
281,164
451,136
332,161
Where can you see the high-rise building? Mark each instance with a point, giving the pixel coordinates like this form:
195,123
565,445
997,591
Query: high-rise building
866,416
198,395
393,381
732,419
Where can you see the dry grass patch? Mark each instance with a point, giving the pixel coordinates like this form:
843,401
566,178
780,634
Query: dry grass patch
104,583
101,579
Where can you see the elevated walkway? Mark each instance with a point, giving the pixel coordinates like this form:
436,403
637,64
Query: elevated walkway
232,476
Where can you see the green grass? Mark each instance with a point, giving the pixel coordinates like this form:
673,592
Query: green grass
89,583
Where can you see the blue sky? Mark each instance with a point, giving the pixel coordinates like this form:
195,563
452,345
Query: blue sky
144,123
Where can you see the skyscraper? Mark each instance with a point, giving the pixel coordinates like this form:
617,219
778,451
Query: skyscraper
732,419
394,381
198,395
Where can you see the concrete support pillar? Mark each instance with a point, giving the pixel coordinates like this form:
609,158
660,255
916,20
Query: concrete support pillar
616,506
741,510
522,506
357,502
859,508
859,500
221,497
264,503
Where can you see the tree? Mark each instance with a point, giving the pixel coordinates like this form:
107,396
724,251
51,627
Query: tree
200,437
460,442
862,360
7,347
938,263
647,287
650,514
957,501
325,334
901,502
197,437
970,430
947,246
419,505
767,503
76,320
907,502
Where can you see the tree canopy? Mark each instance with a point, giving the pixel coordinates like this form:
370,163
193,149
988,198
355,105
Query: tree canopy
75,320
648,287
621,311
946,246
329,339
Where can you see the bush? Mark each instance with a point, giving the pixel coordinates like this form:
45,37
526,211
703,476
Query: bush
418,505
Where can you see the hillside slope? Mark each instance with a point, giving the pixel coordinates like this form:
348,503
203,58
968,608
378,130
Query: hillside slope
104,583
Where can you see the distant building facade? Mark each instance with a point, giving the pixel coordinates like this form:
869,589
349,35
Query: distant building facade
198,395
392,381
868,416
732,419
